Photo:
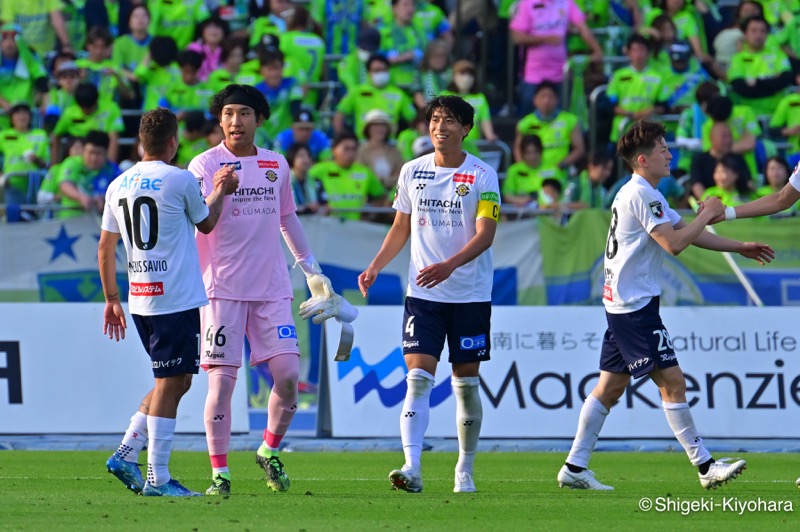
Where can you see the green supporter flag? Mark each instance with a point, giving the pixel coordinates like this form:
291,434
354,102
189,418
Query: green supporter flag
749,65
15,147
176,19
349,188
393,101
74,122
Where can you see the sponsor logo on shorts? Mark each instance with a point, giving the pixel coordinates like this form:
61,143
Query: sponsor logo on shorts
607,293
638,364
463,178
657,209
407,345
668,357
423,175
287,331
147,289
163,364
470,343
237,165
268,164
213,355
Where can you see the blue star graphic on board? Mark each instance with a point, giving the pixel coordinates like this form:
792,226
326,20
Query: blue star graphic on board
62,244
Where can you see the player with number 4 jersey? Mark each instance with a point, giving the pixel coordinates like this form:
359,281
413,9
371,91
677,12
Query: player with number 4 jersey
448,203
643,230
154,208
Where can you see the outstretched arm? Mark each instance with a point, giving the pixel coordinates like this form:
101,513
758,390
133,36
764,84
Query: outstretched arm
775,202
395,239
675,239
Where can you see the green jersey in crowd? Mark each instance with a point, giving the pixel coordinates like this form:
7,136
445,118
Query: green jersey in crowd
90,182
15,147
75,123
524,180
788,115
183,97
156,81
304,53
128,52
742,120
582,189
767,63
33,17
101,75
633,91
349,188
189,149
17,79
176,19
555,135
429,19
352,71
398,40
364,98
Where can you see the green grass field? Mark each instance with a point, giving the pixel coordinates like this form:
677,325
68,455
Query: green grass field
52,490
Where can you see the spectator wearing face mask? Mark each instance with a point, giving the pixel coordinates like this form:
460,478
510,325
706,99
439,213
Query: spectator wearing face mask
465,84
377,94
352,69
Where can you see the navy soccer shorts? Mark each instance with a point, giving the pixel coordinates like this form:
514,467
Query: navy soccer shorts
172,341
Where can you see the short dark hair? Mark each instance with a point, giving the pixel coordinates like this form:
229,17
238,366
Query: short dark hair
546,84
163,50
214,20
260,104
743,25
230,44
453,105
640,138
719,108
190,58
552,182
99,33
294,149
781,161
600,158
270,56
155,130
531,140
638,38
705,91
194,120
97,138
86,95
343,136
377,57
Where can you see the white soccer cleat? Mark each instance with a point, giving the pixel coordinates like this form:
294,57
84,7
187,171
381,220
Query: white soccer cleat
407,480
720,472
798,482
580,481
464,483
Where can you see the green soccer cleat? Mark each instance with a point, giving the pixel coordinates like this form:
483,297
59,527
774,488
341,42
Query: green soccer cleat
220,485
277,479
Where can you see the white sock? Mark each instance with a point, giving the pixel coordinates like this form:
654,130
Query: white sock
161,430
469,414
590,423
134,439
415,415
679,417
215,470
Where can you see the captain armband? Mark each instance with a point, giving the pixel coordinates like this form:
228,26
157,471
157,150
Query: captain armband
489,206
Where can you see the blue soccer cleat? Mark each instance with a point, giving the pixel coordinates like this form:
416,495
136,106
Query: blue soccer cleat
173,488
127,472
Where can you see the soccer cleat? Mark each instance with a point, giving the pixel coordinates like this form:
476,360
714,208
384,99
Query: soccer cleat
277,479
464,483
406,480
720,472
580,481
127,472
798,483
173,488
220,485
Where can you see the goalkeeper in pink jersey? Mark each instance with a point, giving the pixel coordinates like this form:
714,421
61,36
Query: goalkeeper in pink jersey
247,282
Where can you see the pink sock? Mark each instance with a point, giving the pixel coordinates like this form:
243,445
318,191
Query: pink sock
217,415
285,370
218,461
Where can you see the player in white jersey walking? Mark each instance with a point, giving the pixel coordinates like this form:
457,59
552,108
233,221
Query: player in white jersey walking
247,282
643,230
448,203
155,208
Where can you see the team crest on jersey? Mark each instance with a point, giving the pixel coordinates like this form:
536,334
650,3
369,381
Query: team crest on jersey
237,165
271,176
463,178
462,190
657,209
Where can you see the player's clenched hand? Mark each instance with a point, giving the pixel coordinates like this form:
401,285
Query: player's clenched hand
114,324
366,279
227,178
761,253
430,276
712,208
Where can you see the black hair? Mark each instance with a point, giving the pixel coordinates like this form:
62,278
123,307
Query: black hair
216,21
230,44
86,95
260,104
705,91
271,55
377,57
453,105
531,140
719,108
156,128
546,84
99,33
190,58
294,149
343,136
641,138
638,38
97,138
163,50
194,120
600,158
743,25
555,183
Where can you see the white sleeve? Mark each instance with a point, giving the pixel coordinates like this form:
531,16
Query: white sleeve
196,206
402,201
109,221
650,209
794,179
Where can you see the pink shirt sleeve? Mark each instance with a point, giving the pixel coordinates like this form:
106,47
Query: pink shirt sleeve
521,20
287,196
574,14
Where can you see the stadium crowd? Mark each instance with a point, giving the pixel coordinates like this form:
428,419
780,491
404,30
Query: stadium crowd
346,81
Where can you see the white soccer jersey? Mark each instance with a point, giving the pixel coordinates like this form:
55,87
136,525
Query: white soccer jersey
155,207
632,257
443,203
794,179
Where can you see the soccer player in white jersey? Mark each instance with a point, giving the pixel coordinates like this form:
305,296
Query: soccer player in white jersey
247,282
643,230
154,208
448,203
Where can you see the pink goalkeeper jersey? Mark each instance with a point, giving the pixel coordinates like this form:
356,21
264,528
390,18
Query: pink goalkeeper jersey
242,258
542,18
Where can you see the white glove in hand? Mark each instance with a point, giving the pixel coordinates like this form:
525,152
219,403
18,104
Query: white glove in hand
319,285
321,308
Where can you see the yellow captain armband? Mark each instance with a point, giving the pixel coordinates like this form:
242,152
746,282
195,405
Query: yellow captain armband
489,206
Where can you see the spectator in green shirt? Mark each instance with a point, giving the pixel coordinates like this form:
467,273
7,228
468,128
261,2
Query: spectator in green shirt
233,51
22,75
190,93
777,172
157,72
176,19
343,183
192,140
465,84
129,50
403,43
435,73
352,68
61,96
759,75
24,150
729,186
98,69
87,114
39,21
48,191
83,179
304,51
587,190
523,180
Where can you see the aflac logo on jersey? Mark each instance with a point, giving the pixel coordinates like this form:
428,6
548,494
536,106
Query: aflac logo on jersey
372,375
142,183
